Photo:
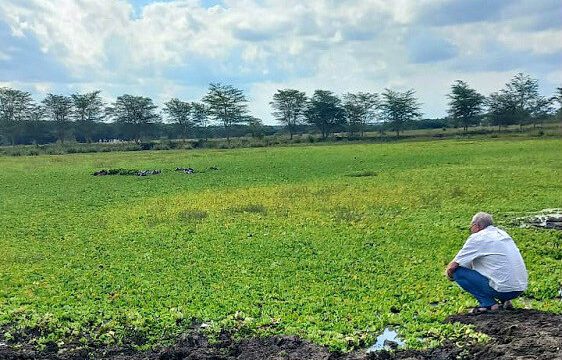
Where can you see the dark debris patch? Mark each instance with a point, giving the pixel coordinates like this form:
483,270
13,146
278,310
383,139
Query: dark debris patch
364,173
186,170
126,172
545,219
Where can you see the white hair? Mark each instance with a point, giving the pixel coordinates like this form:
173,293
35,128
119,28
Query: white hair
482,219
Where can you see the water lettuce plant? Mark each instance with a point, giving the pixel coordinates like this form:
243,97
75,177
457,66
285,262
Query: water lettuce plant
331,243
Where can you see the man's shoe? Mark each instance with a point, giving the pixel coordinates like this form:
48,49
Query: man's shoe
507,305
484,309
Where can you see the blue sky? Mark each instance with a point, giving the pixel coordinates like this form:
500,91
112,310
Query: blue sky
175,48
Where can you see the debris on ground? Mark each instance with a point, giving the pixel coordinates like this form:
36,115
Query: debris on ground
126,172
186,170
546,219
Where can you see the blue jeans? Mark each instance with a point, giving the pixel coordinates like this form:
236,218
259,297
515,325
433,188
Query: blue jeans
478,286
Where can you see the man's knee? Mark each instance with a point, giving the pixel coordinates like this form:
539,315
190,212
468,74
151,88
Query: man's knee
460,273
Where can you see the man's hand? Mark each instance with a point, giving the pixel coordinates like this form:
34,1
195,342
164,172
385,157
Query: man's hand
451,269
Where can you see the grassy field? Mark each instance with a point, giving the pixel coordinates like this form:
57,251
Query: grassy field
332,243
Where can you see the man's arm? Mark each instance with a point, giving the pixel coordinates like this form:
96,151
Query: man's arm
469,252
453,265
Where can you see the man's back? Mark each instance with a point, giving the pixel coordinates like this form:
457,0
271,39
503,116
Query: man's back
493,253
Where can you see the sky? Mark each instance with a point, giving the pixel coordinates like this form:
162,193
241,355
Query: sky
175,48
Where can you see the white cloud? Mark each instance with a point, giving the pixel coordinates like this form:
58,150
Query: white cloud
74,31
540,42
343,46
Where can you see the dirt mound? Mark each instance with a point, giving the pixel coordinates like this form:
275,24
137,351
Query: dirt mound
517,334
524,334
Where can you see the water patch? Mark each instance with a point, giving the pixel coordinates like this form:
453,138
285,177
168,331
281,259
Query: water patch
388,340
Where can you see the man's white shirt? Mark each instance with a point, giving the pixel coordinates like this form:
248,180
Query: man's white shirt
493,253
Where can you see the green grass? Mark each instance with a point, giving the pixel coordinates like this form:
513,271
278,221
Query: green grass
332,243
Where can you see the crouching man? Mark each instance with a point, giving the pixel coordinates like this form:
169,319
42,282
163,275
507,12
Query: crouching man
489,266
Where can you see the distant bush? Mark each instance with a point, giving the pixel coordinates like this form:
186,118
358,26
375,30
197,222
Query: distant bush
250,208
192,215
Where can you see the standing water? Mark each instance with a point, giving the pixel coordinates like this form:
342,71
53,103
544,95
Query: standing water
383,340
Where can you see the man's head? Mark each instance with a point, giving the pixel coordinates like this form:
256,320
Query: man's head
480,221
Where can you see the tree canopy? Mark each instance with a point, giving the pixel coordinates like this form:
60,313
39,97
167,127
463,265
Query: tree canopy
465,105
519,102
289,106
87,109
325,111
360,109
180,112
58,108
226,104
398,108
135,113
15,107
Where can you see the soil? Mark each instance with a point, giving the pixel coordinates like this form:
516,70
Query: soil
516,334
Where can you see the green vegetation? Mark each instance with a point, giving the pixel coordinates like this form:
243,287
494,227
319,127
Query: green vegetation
332,243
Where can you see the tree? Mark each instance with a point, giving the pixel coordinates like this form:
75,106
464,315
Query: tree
518,103
542,109
399,108
502,109
199,115
88,109
558,99
15,107
255,125
135,113
289,107
325,111
180,112
524,94
465,105
58,109
36,116
360,108
226,105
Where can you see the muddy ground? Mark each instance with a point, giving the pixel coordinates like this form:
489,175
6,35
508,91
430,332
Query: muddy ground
516,334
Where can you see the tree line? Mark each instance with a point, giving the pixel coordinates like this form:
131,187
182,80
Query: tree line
86,117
